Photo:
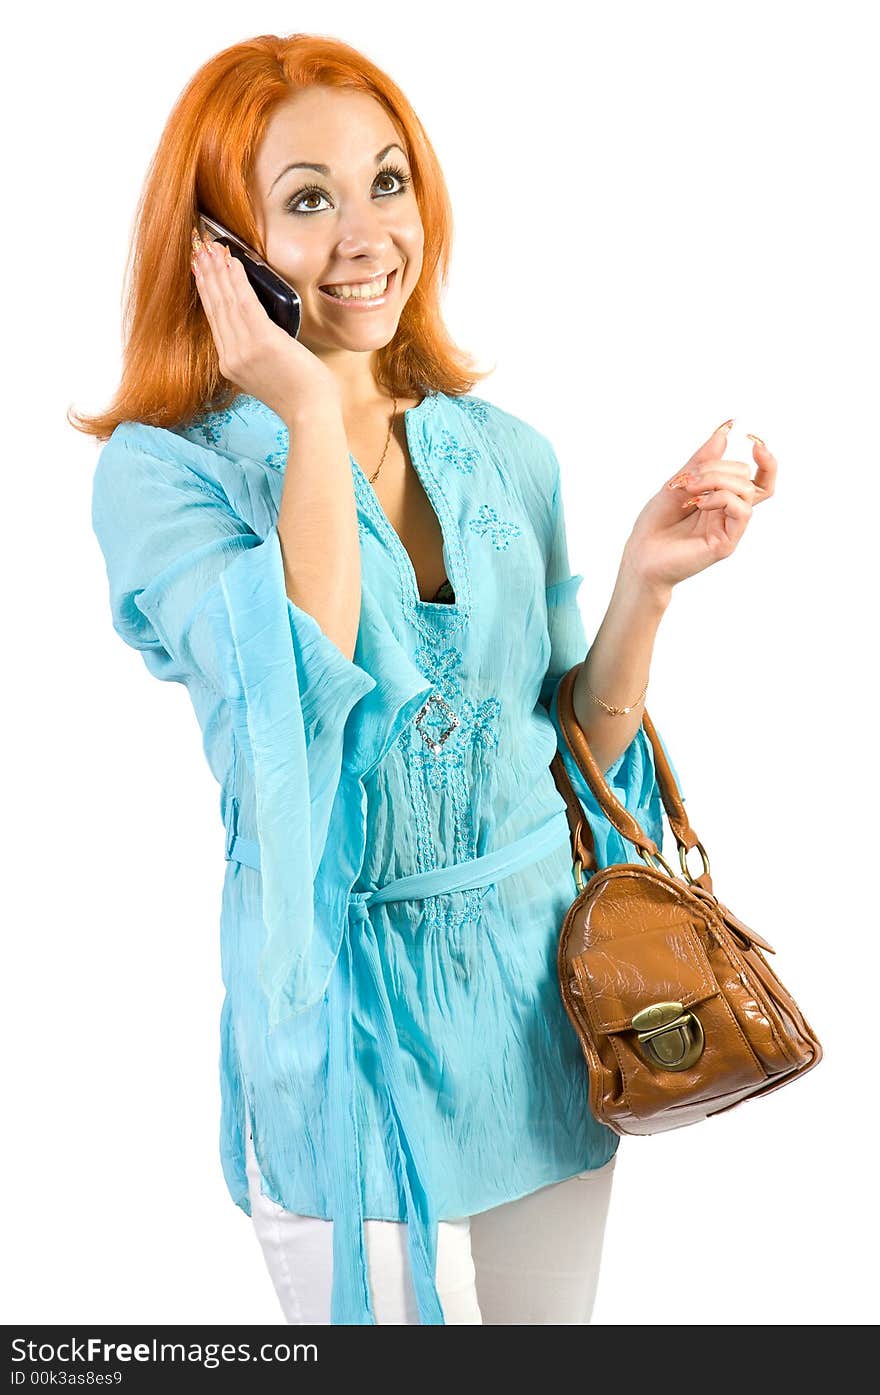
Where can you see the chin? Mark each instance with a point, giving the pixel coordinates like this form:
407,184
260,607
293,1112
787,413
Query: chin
367,338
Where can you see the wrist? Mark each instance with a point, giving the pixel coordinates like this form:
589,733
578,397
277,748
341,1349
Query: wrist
648,593
322,403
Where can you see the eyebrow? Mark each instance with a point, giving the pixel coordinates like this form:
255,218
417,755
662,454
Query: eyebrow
325,169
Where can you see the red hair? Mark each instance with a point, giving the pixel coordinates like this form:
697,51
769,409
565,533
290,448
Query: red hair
170,371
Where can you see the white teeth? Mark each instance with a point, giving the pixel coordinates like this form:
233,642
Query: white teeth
368,291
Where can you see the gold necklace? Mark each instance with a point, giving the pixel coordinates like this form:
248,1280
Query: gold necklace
387,439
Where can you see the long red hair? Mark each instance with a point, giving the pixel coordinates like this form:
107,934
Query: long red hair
170,371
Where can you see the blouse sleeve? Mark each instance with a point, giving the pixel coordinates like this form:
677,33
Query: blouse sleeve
203,598
632,777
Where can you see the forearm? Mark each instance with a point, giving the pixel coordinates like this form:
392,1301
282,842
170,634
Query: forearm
617,666
317,524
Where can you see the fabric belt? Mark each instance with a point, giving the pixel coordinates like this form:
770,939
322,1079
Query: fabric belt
350,1302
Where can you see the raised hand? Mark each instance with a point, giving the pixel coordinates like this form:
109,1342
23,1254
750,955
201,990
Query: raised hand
674,538
254,353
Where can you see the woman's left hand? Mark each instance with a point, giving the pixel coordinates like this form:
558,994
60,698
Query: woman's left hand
699,515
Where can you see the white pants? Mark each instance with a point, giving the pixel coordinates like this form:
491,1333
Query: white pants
534,1260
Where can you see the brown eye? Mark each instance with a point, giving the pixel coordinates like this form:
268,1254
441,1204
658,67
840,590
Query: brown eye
313,191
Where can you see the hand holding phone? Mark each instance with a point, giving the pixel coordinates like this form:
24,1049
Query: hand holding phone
278,297
255,318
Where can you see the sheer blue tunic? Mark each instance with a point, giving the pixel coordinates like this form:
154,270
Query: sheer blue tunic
398,857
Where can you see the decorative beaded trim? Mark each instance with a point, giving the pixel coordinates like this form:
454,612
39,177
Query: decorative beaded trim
440,769
444,773
427,617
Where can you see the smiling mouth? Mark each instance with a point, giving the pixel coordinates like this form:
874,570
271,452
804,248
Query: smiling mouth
364,292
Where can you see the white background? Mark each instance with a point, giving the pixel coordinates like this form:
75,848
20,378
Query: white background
666,215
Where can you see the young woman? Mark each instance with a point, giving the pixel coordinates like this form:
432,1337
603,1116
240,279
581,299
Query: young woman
359,571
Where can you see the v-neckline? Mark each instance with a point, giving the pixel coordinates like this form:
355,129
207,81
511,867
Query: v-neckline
437,504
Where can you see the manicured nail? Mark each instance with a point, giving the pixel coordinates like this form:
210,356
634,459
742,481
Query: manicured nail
678,482
725,425
756,438
695,500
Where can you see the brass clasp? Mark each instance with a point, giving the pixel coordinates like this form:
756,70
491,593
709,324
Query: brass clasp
669,1037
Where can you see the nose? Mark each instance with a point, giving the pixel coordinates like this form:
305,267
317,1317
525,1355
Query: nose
363,233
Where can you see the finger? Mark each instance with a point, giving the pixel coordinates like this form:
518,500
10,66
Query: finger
711,450
765,478
204,279
736,478
725,471
238,306
211,277
713,447
724,499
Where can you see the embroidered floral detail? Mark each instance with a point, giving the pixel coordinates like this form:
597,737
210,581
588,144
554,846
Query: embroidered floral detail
462,457
441,769
278,458
477,723
211,425
474,407
438,666
254,403
500,533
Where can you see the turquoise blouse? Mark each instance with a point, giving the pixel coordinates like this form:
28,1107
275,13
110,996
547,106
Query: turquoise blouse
398,857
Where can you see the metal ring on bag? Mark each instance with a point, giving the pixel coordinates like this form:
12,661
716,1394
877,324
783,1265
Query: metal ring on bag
646,856
682,857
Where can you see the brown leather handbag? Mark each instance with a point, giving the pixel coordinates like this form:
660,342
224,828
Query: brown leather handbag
678,1011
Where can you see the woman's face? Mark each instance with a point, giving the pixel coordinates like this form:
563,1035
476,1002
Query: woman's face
344,224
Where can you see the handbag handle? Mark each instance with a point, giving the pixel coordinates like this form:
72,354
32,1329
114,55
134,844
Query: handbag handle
583,846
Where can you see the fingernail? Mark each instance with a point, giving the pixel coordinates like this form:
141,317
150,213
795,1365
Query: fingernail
196,240
756,438
227,254
725,425
678,482
695,500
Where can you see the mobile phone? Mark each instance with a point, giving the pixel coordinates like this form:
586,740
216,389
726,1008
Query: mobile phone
278,297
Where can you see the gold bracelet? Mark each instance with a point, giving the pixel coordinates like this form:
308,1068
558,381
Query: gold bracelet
616,711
